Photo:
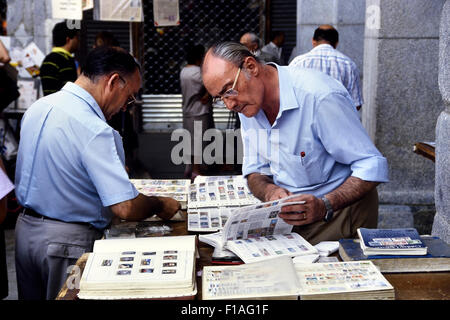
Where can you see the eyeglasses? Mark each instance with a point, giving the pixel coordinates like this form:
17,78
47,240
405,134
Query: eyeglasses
230,92
131,99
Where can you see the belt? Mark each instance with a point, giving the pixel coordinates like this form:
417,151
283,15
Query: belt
32,213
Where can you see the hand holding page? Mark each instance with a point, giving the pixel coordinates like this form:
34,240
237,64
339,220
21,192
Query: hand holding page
257,233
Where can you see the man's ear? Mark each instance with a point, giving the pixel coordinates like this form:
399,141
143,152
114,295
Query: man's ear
113,80
251,66
110,82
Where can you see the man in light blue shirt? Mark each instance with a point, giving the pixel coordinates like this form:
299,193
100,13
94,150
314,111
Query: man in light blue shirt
70,173
301,134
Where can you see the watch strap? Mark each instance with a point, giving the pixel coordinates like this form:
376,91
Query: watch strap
329,209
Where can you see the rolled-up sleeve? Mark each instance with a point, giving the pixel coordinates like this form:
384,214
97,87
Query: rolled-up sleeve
106,170
345,139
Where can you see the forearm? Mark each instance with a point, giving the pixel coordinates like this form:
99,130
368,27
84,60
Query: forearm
261,186
138,208
352,190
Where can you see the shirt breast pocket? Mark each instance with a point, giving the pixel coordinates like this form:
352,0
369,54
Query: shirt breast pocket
301,171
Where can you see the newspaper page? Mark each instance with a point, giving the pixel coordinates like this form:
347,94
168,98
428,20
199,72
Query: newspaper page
67,9
258,220
120,10
166,13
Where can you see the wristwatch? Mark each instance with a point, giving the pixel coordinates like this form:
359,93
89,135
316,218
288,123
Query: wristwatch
329,208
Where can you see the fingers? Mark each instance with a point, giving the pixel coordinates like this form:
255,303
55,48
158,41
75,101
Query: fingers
301,214
296,218
278,193
170,207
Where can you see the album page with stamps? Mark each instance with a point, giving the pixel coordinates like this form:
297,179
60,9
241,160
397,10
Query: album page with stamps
220,191
342,280
140,268
174,188
281,278
269,279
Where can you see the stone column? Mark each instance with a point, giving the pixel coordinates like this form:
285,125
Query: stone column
402,100
441,224
30,20
347,16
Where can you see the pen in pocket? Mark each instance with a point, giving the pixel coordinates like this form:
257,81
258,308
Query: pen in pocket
302,154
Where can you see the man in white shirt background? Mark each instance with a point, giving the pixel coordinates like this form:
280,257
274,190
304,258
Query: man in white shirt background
324,57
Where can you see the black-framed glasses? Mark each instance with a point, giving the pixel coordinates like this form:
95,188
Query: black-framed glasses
230,92
131,99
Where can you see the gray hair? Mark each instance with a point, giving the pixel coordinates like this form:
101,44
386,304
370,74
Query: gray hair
255,39
233,52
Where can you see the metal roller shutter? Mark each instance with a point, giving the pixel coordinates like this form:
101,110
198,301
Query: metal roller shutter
202,22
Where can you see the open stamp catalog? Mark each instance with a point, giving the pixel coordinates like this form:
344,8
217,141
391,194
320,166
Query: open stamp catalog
280,278
256,233
158,267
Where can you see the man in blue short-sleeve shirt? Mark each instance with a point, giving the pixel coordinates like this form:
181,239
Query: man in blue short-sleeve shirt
301,134
70,173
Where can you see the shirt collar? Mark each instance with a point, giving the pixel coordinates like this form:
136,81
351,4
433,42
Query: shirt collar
273,45
62,50
86,96
287,95
323,46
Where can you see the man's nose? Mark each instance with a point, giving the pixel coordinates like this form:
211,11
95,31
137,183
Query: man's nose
230,103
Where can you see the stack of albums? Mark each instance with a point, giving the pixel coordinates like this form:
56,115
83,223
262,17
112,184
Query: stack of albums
212,199
145,268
